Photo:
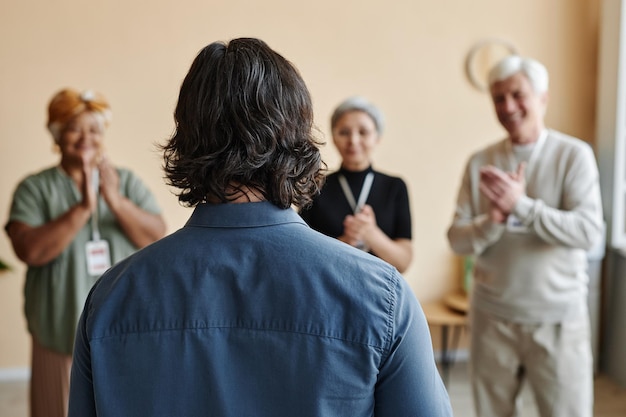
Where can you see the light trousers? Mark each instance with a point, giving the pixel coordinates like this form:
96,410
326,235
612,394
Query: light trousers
554,358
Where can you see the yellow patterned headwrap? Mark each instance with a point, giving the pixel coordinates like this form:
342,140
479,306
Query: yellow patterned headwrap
69,103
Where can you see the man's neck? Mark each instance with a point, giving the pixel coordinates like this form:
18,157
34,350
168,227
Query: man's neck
240,194
527,138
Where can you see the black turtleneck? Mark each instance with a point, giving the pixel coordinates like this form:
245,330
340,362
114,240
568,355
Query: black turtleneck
388,197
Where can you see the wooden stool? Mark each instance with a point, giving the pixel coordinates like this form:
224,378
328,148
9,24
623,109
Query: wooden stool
439,313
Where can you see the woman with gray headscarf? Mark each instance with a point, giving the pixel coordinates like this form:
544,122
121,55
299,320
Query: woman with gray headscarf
359,206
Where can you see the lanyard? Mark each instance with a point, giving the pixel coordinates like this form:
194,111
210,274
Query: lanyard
95,179
533,156
365,191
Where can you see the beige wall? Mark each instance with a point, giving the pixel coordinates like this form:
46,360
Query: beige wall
406,55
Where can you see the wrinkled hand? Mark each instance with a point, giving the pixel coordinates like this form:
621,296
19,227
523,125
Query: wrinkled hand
502,189
357,226
109,182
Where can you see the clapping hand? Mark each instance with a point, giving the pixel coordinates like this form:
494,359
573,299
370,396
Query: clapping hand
503,189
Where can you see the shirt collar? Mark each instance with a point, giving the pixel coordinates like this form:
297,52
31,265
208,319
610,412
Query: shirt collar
237,215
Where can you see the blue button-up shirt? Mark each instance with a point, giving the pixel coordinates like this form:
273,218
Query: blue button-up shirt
246,311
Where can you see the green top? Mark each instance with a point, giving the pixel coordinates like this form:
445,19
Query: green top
55,293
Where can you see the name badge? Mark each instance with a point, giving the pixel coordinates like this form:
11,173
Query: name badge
515,225
98,257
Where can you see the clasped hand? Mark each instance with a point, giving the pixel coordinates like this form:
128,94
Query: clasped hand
502,189
357,226
108,187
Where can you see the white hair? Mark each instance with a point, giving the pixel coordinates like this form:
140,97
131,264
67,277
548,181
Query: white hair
357,103
535,71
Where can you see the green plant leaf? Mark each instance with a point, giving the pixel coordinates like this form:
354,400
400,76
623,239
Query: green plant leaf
4,266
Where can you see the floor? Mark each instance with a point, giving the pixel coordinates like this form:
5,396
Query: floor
13,398
610,400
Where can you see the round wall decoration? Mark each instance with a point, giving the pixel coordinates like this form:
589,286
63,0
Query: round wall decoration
482,56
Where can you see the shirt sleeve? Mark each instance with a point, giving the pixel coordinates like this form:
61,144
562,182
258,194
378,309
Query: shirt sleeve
27,205
135,190
403,214
578,222
409,383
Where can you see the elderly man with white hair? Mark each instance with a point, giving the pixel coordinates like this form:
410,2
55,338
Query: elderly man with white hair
528,209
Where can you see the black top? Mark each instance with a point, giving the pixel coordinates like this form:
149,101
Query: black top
388,197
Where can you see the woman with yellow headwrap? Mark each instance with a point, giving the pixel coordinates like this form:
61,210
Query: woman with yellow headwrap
69,223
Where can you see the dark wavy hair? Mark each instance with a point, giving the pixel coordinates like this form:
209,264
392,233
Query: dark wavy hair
244,120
